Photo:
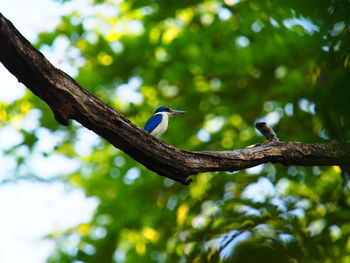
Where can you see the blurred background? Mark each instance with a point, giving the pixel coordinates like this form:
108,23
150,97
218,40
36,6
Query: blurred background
66,195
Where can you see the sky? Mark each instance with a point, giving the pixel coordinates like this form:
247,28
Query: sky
29,210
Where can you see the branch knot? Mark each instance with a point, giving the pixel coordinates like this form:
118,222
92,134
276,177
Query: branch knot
267,131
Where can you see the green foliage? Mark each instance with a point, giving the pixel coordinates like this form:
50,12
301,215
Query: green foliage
227,64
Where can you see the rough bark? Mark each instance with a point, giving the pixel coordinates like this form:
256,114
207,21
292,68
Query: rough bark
68,100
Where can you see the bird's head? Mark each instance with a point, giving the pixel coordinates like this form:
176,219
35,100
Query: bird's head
169,111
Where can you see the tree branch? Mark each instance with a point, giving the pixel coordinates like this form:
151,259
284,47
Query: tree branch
267,131
68,100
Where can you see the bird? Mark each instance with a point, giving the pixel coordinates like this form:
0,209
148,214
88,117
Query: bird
158,123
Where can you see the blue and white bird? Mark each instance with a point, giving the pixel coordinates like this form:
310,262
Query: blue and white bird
158,123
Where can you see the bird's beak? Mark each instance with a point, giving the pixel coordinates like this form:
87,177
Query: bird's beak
176,112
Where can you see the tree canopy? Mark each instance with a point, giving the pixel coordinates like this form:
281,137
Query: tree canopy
228,64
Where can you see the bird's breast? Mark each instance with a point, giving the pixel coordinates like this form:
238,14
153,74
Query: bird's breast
163,125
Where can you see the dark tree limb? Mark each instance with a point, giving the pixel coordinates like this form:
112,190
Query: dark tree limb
68,100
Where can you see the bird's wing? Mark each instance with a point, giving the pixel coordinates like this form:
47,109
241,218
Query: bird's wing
153,122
